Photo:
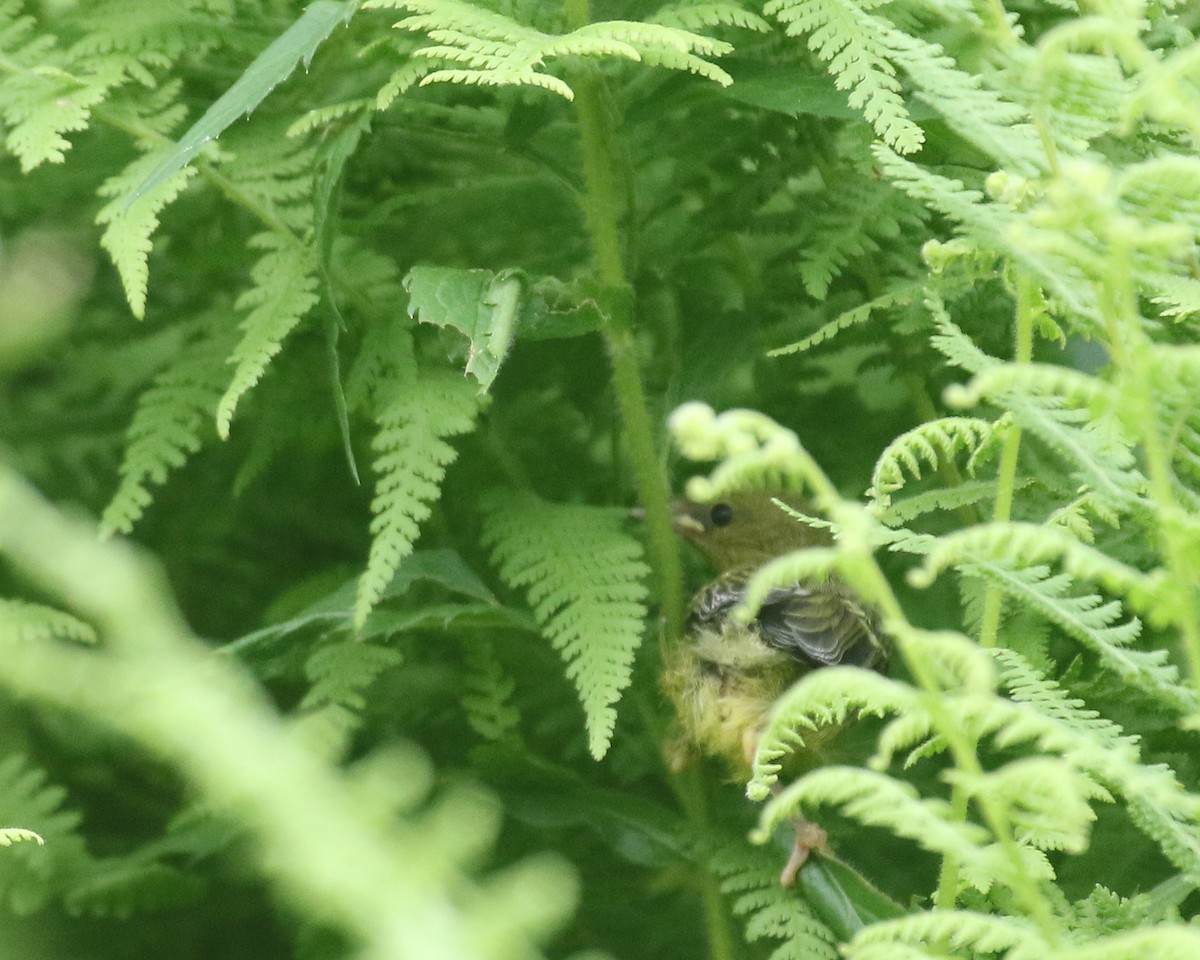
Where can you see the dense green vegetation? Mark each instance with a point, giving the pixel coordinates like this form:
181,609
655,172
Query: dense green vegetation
336,341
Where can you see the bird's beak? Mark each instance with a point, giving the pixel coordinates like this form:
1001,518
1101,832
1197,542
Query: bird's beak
683,522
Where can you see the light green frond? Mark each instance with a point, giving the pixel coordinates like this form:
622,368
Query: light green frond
1096,624
168,424
415,417
754,450
1027,544
991,224
822,698
965,494
1042,712
697,15
969,106
1162,942
932,443
284,290
1047,800
478,46
22,622
955,930
11,835
585,579
859,48
877,800
29,879
127,229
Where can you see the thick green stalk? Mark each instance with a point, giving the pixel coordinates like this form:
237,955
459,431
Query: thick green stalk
1027,293
602,203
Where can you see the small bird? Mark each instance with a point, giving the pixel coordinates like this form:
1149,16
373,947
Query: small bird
725,674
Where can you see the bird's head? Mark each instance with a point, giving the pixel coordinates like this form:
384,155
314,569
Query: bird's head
745,528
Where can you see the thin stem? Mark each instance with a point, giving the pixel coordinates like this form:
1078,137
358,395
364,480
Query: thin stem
1027,296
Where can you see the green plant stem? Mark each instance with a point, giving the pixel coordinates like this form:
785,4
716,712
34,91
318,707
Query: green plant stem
1130,349
963,748
602,201
601,205
989,626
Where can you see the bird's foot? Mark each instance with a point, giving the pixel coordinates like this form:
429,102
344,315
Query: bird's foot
809,837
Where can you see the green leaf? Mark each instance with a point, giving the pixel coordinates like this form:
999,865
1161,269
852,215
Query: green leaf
483,306
298,43
842,897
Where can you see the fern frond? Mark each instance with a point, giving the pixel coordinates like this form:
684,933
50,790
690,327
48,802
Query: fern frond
22,622
48,93
167,424
1097,625
585,579
975,111
955,930
128,227
859,48
697,15
901,296
877,800
339,674
120,886
991,224
415,417
821,698
1026,544
1043,712
964,494
284,290
754,450
487,693
11,835
931,443
1163,942
478,46
1047,802
855,216
30,873
751,879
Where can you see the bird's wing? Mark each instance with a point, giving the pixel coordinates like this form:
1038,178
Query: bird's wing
820,625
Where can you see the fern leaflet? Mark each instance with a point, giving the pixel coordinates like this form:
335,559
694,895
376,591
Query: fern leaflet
585,580
415,418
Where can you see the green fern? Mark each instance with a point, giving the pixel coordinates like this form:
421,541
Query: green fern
751,879
414,418
858,47
284,290
585,581
476,46
33,873
169,423
339,674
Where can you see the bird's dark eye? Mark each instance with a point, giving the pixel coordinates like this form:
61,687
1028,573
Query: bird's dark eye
721,515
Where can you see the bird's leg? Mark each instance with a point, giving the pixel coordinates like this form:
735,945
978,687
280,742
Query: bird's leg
809,836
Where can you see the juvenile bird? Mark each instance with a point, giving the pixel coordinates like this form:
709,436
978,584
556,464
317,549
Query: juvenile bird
725,674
